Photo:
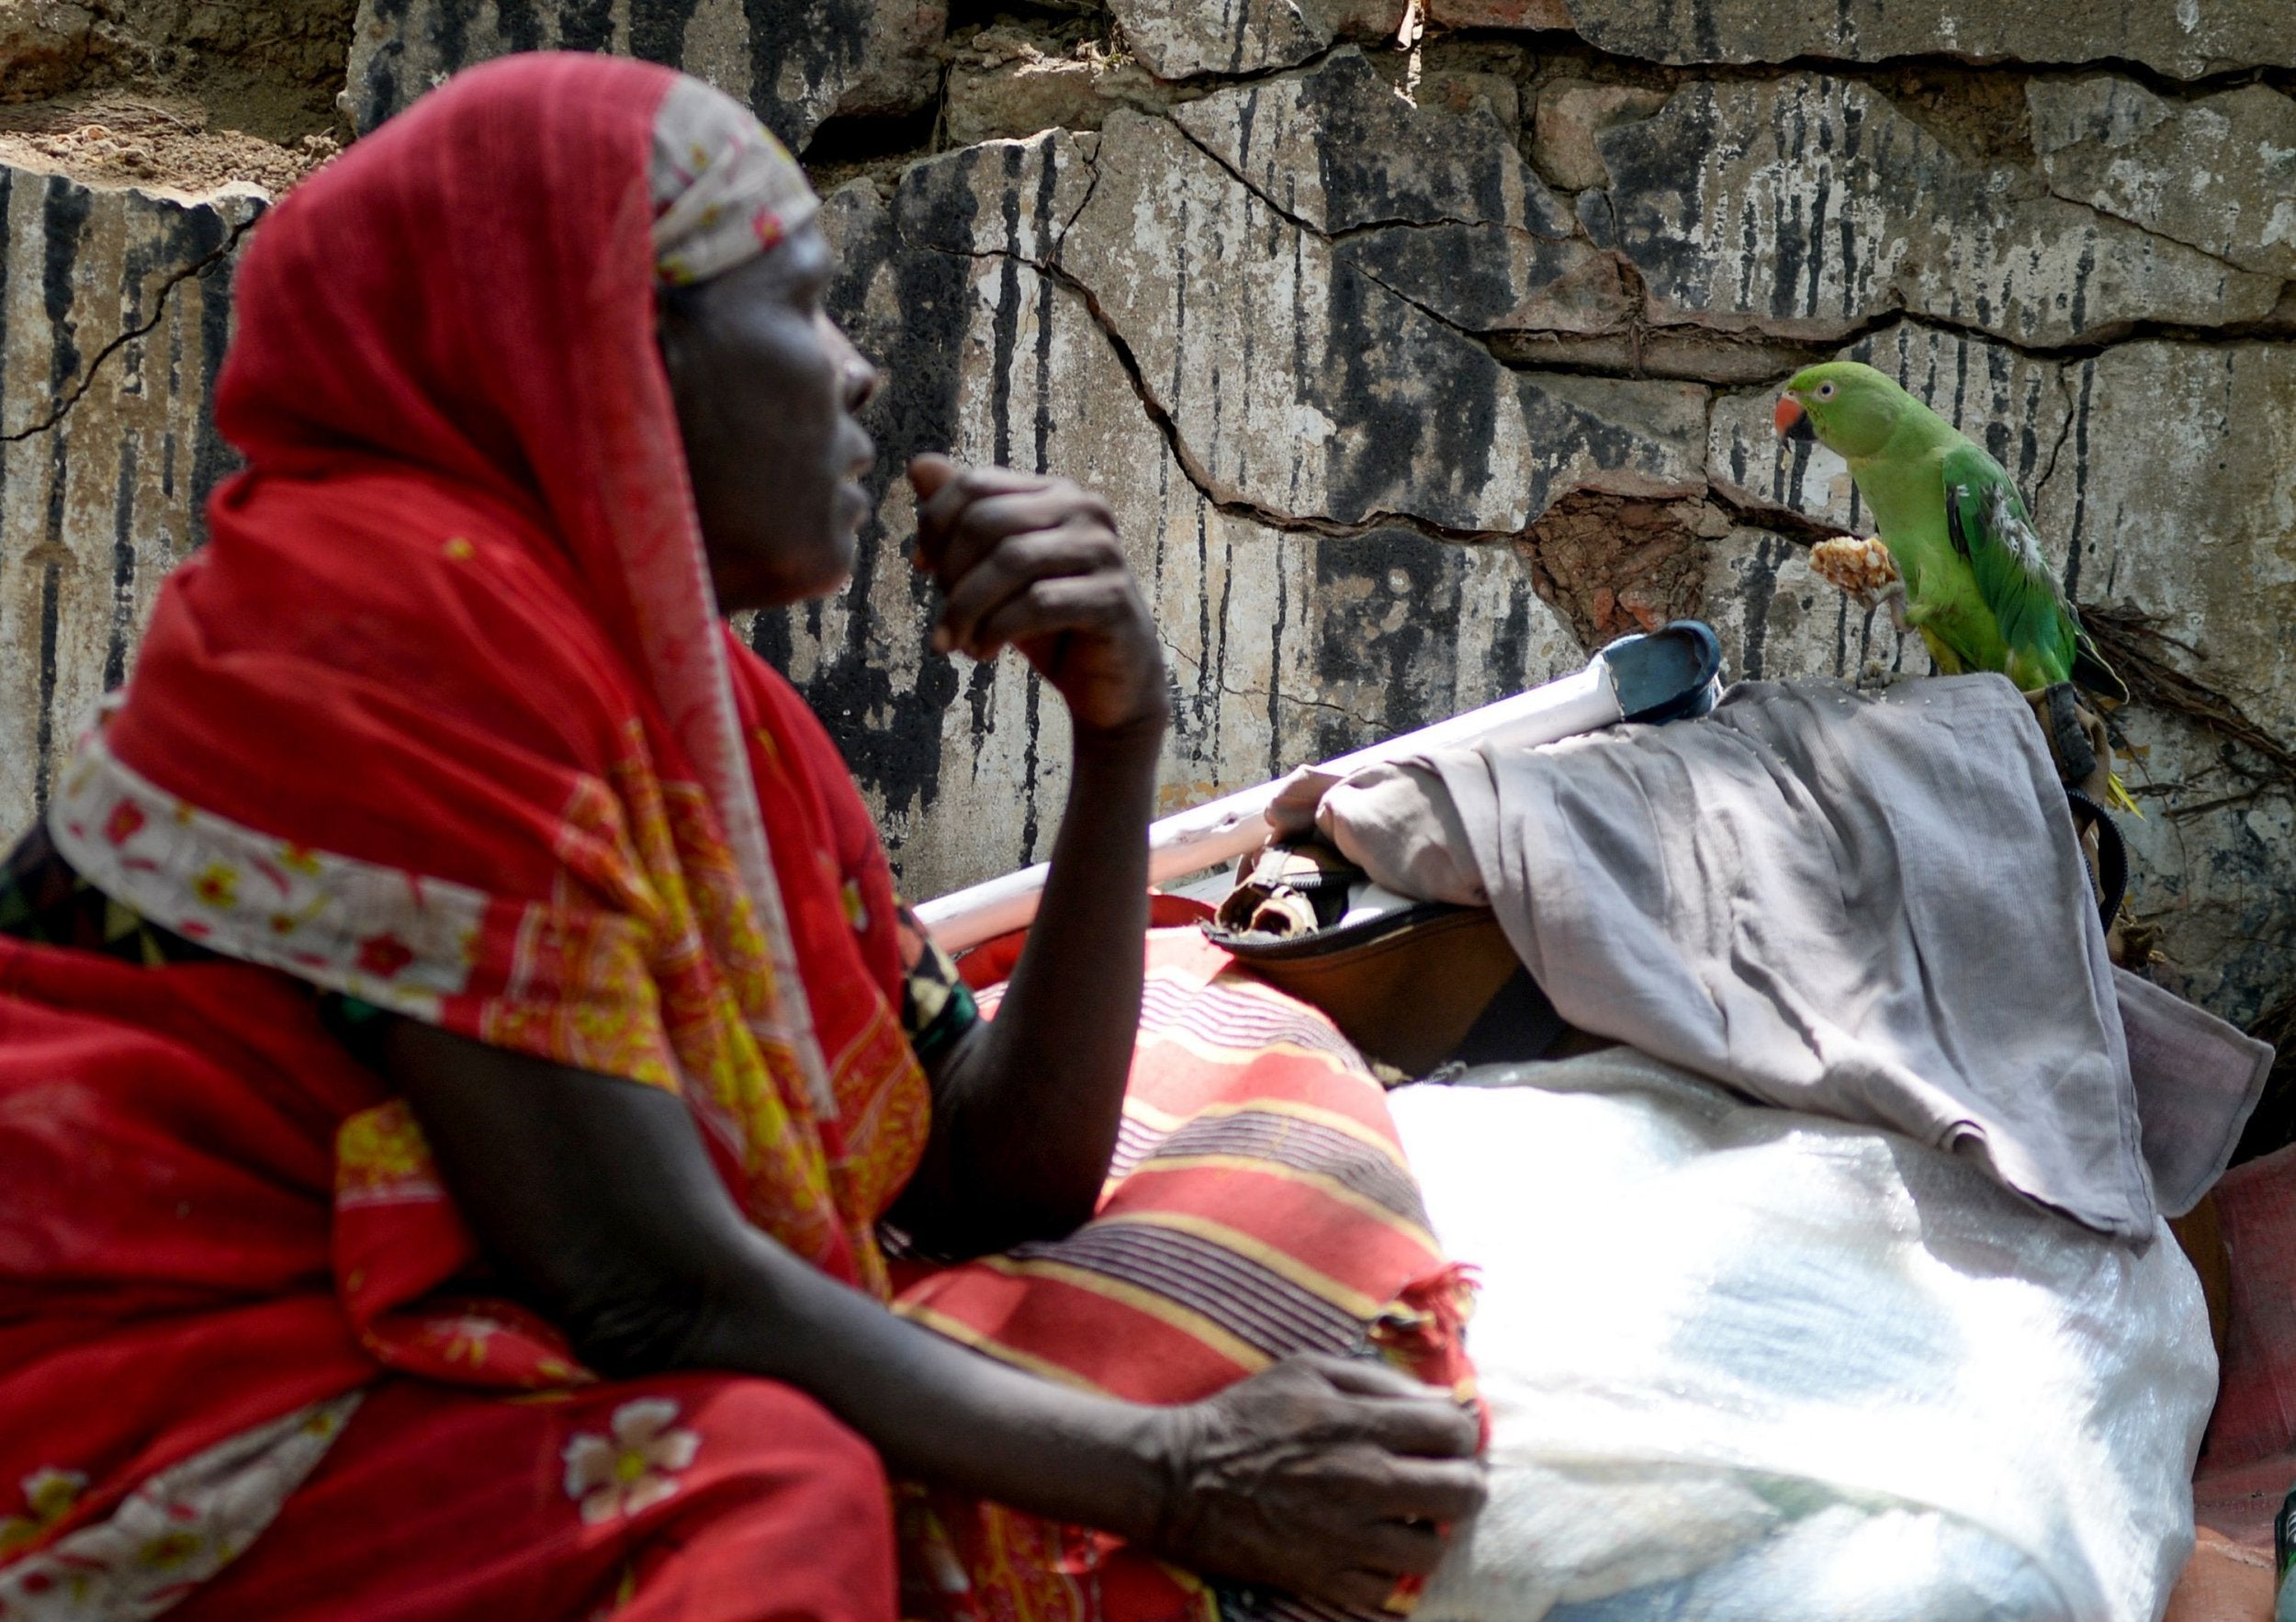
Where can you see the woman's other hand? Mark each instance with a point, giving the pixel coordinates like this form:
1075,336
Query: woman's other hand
1325,1476
1032,560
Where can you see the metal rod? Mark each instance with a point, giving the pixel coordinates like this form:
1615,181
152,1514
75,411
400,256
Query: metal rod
1235,824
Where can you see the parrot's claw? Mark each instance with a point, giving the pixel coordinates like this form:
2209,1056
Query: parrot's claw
1900,615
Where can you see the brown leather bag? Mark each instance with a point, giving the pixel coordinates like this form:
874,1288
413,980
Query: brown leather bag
1416,987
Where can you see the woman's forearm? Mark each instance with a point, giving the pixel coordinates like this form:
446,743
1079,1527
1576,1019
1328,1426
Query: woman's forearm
1036,1099
935,1411
597,1195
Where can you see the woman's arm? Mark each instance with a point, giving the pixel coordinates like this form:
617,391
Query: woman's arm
597,1197
1026,1108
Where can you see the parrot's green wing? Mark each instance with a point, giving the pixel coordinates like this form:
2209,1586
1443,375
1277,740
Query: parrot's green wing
1993,532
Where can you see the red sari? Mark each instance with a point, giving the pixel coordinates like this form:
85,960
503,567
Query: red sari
443,720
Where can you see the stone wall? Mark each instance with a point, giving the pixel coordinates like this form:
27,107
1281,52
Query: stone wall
1413,374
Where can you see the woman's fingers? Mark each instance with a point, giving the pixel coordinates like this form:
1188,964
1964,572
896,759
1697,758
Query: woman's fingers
1358,1590
1420,1427
989,524
998,600
1026,558
1328,1476
1094,603
1391,1549
1409,1416
927,473
948,510
1364,1377
1428,1489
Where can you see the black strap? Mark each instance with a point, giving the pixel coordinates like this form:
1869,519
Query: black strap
2113,852
1516,1025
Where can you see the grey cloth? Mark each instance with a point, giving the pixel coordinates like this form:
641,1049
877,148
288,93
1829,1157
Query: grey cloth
2197,1081
1870,908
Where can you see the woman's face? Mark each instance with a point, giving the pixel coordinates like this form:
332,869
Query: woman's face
766,388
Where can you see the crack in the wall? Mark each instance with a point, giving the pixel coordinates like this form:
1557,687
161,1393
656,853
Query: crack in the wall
1788,524
1635,330
1376,227
200,267
2089,206
1236,507
2059,354
1258,696
1212,81
1345,233
2165,85
2065,433
1190,466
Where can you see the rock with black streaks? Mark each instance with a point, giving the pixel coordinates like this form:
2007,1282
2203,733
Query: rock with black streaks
1184,39
2218,172
2208,861
1283,643
1571,114
2177,487
1630,436
1001,197
1297,384
1805,205
1495,278
1336,149
2186,40
117,315
1434,204
796,61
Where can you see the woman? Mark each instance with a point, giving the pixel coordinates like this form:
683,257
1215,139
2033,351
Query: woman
459,1040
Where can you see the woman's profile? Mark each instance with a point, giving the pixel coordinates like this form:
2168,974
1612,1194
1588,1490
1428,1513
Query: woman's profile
484,1137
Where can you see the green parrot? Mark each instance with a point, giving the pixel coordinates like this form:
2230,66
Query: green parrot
1976,586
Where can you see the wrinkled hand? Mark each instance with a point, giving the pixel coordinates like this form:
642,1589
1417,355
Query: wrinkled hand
1324,1476
1032,560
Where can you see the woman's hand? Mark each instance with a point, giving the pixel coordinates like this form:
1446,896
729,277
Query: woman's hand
1033,560
1324,1476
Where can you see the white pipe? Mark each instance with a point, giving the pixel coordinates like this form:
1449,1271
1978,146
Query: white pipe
1235,824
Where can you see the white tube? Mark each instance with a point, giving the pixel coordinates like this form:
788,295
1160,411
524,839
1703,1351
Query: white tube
1227,828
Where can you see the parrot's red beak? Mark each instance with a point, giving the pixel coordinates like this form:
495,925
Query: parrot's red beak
1791,420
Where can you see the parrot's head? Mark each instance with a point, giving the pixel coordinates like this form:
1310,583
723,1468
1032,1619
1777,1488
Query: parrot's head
1849,407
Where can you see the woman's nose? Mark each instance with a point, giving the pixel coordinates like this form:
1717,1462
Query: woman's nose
858,377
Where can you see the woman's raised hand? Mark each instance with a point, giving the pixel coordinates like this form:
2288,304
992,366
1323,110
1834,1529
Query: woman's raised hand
1032,560
1325,1476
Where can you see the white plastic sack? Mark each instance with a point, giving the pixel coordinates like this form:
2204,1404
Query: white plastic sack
1749,1364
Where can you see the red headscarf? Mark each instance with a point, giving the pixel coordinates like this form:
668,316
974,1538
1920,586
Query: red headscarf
444,716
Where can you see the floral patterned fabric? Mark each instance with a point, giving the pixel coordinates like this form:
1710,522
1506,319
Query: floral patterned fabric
686,1498
726,189
173,1532
44,899
441,720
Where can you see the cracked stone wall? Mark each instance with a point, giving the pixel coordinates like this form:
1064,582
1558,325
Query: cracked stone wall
1412,374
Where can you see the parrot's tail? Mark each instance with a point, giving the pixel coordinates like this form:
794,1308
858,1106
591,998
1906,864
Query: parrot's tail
2117,795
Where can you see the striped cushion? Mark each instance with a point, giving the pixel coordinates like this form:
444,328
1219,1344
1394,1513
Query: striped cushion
1258,1205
